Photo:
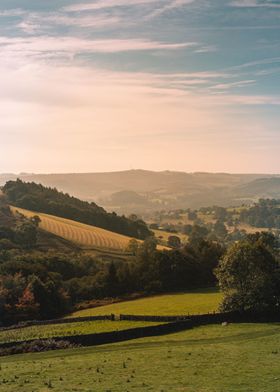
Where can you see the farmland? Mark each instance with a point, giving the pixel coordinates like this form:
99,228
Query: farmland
86,236
79,233
243,358
198,301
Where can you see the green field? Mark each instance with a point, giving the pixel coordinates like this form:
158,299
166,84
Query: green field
235,358
81,328
198,301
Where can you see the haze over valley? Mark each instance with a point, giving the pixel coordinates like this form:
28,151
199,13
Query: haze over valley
142,191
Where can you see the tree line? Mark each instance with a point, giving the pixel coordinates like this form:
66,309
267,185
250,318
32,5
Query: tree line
36,285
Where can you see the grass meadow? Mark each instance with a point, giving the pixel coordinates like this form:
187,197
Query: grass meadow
235,358
196,302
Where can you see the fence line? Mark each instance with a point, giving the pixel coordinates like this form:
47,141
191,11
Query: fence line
111,337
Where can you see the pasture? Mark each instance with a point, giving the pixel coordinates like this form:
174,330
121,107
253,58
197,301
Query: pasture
64,330
238,357
196,302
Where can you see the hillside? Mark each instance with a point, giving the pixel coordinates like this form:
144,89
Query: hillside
78,233
45,240
140,191
38,198
261,187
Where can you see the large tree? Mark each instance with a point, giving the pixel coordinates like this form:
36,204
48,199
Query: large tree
248,275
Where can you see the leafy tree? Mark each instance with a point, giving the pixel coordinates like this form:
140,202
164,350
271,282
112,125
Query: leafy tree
26,234
220,229
192,215
187,229
197,233
248,275
174,241
111,280
133,246
220,213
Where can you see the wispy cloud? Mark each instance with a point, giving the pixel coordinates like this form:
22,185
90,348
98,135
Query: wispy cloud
227,86
101,4
12,12
169,6
250,64
37,22
207,49
159,6
73,45
255,4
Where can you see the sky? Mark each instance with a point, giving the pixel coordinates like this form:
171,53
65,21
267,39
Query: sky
107,85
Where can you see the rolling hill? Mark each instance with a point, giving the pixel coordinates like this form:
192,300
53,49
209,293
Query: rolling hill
36,197
85,236
81,234
141,191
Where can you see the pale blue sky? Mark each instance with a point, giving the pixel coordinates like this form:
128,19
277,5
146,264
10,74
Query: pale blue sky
107,85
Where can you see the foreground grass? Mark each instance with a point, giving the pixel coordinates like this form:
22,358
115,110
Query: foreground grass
236,358
82,328
200,301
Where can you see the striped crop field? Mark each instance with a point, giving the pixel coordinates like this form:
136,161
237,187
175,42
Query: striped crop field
79,233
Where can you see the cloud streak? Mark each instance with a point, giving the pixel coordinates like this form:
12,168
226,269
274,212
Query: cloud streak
169,6
101,4
254,4
74,45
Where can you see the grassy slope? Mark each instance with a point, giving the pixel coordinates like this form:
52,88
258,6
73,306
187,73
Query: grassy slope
241,358
49,331
195,302
79,233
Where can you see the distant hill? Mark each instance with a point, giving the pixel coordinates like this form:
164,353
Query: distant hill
141,191
262,187
36,197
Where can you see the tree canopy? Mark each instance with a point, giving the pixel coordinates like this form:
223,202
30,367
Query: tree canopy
248,274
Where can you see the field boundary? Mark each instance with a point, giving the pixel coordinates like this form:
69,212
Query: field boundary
136,333
196,319
210,318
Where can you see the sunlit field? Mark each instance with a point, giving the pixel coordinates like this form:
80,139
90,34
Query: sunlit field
196,302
